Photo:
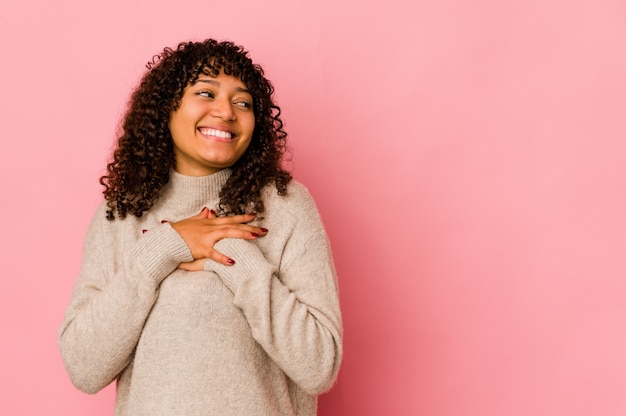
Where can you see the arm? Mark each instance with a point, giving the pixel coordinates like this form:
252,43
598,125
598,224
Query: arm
111,300
294,312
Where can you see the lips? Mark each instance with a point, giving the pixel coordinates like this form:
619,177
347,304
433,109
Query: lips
215,133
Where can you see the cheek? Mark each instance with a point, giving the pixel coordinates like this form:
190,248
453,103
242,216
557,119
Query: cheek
245,146
180,122
174,130
251,125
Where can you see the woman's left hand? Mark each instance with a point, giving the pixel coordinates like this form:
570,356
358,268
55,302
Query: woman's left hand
193,266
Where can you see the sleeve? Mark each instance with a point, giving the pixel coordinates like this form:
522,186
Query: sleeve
293,313
111,300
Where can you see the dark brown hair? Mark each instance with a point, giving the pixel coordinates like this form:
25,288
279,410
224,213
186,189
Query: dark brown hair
144,154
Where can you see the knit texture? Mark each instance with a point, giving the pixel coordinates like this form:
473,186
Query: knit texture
261,337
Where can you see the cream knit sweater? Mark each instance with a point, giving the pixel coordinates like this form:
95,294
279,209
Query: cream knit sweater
262,337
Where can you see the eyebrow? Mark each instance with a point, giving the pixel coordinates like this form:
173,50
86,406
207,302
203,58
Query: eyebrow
217,84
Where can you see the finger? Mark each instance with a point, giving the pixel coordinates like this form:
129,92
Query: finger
193,266
204,213
242,232
210,227
198,264
204,246
221,258
234,219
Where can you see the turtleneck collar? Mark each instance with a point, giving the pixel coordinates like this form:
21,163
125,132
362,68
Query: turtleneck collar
194,192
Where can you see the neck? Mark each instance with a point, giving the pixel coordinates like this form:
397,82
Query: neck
194,192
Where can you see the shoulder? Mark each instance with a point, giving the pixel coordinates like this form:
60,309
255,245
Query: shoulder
102,229
297,200
99,220
295,211
295,225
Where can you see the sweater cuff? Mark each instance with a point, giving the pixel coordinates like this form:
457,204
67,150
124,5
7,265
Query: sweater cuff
249,262
160,251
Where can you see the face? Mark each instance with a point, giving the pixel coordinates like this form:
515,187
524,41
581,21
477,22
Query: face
213,125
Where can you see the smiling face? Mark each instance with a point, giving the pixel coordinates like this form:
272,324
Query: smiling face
213,125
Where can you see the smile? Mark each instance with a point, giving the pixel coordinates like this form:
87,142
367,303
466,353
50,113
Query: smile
217,133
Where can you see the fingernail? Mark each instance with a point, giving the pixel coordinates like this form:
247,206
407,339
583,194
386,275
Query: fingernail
202,210
144,231
164,221
213,212
255,234
230,261
265,230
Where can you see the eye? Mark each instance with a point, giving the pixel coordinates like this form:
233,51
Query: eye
244,104
206,94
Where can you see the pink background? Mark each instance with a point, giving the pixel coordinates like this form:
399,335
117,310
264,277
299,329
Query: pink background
468,158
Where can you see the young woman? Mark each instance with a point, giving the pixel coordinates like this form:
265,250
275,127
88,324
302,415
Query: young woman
207,285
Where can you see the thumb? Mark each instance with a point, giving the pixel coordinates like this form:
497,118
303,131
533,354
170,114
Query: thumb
204,214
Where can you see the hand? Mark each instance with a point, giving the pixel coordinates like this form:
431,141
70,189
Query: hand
202,231
193,266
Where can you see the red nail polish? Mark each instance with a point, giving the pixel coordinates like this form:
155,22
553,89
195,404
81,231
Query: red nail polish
213,212
265,230
144,231
230,261
254,234
164,221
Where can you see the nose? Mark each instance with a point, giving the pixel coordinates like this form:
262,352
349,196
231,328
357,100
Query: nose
222,108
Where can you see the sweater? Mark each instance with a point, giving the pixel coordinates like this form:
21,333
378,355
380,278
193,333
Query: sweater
260,337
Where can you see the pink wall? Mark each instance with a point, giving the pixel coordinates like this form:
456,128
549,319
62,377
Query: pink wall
468,159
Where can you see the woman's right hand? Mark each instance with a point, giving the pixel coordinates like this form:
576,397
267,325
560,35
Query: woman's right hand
202,231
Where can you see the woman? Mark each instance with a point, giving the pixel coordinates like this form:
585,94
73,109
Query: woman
207,285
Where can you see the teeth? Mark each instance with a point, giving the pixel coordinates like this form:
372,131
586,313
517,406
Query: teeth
217,133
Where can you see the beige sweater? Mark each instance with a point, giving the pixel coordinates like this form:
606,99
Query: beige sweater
262,337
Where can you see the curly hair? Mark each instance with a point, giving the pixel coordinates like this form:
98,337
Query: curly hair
141,162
